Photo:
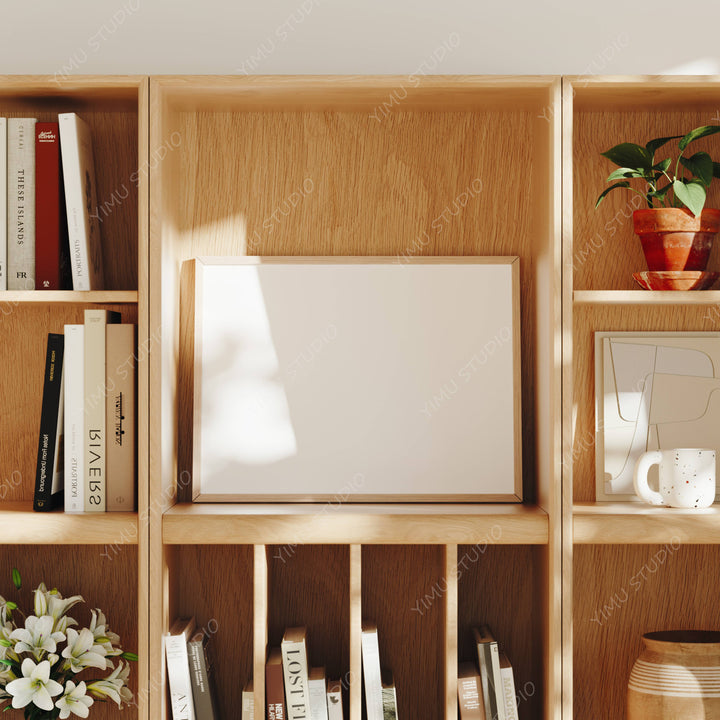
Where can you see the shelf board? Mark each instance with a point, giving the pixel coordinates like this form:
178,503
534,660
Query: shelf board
351,523
68,297
21,526
640,524
646,297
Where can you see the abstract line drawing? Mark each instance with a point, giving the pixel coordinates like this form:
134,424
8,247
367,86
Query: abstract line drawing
654,391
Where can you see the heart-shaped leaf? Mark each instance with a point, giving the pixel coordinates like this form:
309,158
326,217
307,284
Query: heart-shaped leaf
624,173
653,145
700,165
623,184
629,155
691,194
663,165
698,133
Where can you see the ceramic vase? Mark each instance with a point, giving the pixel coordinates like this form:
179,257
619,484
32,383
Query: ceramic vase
676,677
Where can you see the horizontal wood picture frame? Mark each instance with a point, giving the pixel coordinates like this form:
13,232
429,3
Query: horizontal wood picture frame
356,379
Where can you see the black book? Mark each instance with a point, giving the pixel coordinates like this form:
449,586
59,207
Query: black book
49,471
201,680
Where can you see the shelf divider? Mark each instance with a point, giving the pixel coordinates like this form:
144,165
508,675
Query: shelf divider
451,632
354,676
260,626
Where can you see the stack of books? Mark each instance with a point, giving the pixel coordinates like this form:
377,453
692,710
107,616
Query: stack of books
49,221
86,450
486,691
293,689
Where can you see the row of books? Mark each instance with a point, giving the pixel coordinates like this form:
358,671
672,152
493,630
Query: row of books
486,691
86,448
293,689
49,225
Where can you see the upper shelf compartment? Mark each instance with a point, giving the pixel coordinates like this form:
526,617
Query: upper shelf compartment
394,166
602,112
115,108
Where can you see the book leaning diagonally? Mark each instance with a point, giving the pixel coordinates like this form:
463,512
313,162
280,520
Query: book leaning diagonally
81,203
178,668
371,671
95,398
3,203
506,673
295,670
201,681
21,203
74,381
489,660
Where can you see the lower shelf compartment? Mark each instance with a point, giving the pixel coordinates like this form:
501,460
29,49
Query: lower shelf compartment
624,591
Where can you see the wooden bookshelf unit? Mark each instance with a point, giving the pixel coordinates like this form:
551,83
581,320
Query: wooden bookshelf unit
206,165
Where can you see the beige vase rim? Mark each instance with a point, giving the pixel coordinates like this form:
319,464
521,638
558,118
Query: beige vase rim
698,642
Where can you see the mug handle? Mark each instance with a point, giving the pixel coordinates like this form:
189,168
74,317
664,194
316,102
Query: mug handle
640,481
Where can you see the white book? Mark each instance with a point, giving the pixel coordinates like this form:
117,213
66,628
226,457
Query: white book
74,449
371,671
295,672
248,703
318,694
78,167
3,203
178,669
334,700
21,203
508,684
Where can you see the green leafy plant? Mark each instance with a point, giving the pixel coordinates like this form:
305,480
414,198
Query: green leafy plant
684,186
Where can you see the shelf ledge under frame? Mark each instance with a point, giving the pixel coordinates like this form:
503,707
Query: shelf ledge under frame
640,524
68,297
21,526
646,297
353,523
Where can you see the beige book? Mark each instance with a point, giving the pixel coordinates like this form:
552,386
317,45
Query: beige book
248,702
120,417
178,668
95,397
470,691
295,670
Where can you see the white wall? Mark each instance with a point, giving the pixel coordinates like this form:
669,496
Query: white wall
359,36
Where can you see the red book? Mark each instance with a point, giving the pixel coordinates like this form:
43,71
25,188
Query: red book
50,225
274,686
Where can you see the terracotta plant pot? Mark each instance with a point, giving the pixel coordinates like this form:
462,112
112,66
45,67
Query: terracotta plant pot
674,239
676,677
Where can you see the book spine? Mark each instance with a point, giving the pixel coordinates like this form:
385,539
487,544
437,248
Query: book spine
3,203
74,381
274,692
21,204
178,671
248,705
295,670
371,675
318,700
488,693
199,681
47,206
95,397
511,710
334,700
120,417
469,700
46,479
78,168
496,681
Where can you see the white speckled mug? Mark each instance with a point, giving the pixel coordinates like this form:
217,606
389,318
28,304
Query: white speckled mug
687,477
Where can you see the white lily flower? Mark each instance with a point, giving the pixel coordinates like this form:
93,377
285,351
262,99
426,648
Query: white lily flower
75,700
103,635
113,686
37,636
51,602
35,686
82,652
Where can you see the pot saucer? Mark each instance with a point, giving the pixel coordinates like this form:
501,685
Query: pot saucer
676,279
